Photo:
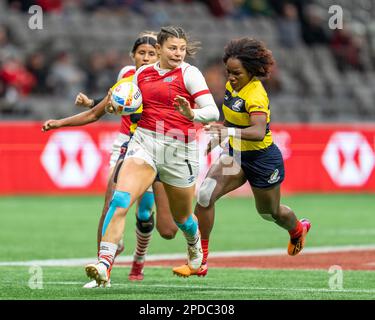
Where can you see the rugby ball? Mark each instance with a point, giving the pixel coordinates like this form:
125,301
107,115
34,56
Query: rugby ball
126,98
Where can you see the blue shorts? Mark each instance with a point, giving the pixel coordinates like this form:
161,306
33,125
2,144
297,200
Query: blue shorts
263,168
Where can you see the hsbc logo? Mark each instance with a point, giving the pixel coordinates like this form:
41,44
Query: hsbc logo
348,159
71,159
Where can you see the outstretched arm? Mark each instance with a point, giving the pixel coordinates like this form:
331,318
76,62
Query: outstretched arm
83,100
79,119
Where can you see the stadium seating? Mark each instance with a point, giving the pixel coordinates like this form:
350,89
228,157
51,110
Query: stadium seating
312,88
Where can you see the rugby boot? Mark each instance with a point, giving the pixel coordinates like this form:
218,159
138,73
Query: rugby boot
296,245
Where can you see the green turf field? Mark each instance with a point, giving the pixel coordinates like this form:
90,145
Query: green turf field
159,284
34,228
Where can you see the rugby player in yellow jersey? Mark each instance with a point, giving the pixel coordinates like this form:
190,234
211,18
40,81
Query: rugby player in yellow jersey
143,53
252,155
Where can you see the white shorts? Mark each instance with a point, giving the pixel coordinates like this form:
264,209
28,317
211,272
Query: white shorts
116,149
176,162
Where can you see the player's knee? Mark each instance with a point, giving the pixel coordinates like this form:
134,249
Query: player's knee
206,190
145,206
120,199
146,226
167,234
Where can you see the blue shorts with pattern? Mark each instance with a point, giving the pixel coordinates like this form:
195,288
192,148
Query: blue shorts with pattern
263,168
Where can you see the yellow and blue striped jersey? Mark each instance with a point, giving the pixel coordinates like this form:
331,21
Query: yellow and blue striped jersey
237,109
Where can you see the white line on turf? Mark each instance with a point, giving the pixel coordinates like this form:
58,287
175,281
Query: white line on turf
164,257
208,287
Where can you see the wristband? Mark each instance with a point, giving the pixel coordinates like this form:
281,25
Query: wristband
96,101
231,132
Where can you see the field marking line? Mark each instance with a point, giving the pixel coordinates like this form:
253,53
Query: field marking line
175,256
208,287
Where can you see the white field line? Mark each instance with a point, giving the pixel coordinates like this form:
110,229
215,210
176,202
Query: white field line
165,257
208,287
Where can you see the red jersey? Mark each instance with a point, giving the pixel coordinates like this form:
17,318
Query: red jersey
159,88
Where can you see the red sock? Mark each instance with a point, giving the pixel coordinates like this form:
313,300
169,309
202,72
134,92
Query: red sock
205,250
297,231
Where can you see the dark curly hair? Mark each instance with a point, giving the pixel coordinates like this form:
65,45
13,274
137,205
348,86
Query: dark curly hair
253,54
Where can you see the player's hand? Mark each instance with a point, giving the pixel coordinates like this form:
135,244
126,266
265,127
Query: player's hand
182,105
216,129
218,133
109,108
50,125
214,142
84,101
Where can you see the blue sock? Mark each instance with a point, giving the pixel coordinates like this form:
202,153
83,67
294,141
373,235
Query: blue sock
145,206
189,228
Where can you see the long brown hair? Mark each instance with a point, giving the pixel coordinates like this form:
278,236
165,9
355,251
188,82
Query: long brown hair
177,32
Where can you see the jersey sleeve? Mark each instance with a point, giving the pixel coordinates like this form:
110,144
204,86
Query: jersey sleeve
125,72
196,85
258,102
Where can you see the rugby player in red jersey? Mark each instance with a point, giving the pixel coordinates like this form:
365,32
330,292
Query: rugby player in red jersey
174,95
143,53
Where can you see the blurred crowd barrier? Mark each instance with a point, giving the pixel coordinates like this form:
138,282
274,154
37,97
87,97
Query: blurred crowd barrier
318,158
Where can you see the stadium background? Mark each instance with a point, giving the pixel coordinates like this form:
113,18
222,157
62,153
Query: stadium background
323,119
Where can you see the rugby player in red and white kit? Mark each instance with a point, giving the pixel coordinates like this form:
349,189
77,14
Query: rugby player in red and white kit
164,144
143,53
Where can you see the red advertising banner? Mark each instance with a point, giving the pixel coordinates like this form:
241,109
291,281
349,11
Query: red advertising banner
318,158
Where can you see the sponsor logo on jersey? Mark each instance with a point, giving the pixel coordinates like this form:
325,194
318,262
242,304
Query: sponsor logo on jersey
169,79
237,105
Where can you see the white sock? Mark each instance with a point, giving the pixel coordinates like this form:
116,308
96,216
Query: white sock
107,253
